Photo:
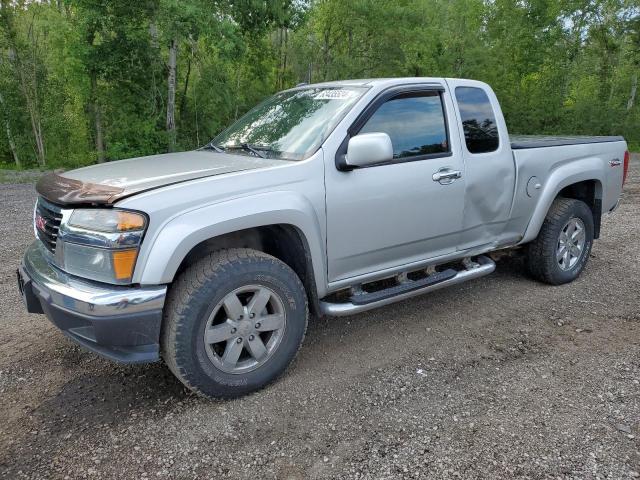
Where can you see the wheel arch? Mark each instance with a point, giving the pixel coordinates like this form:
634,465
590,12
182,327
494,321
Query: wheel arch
579,180
282,224
283,241
590,192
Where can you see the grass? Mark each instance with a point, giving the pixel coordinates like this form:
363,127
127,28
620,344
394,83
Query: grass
19,176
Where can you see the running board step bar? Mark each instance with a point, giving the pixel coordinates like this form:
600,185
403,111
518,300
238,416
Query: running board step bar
361,302
406,287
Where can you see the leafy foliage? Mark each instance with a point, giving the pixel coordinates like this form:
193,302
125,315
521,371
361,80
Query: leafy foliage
87,80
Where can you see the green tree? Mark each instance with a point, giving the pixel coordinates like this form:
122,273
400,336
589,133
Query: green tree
85,81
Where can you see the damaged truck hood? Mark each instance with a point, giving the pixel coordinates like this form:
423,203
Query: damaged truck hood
106,183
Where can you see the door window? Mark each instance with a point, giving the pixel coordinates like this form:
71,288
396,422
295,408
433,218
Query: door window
415,124
478,120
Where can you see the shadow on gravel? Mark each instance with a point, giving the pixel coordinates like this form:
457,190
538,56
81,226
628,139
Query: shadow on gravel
97,400
94,402
512,267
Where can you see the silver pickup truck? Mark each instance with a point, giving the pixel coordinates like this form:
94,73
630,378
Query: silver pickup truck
326,199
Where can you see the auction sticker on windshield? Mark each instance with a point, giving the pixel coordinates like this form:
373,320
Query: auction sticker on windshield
336,94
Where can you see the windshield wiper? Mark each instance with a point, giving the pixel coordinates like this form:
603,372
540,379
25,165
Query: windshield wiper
252,149
255,149
213,146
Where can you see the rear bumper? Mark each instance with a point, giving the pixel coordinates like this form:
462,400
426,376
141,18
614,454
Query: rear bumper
120,323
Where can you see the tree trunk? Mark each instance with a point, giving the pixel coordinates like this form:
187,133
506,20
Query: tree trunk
12,145
279,74
235,117
283,40
32,106
634,90
156,70
326,54
94,104
29,93
37,133
284,58
186,83
97,118
171,96
36,125
153,33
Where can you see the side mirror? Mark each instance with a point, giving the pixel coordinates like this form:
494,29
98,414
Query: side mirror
369,149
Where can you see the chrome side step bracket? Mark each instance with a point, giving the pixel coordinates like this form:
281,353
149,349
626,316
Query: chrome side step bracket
361,302
405,286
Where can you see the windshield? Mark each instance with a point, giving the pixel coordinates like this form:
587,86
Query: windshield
290,125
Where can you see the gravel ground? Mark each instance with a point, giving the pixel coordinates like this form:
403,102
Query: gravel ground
501,377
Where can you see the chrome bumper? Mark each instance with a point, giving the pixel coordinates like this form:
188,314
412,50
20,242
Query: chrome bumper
121,323
86,297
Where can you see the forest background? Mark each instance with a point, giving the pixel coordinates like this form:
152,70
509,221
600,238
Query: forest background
85,81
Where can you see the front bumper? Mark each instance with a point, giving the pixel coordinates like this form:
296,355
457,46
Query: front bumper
120,323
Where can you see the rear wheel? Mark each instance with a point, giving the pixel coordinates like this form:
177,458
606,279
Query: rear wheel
561,251
233,322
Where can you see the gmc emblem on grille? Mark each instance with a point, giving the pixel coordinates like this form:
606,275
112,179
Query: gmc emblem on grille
41,223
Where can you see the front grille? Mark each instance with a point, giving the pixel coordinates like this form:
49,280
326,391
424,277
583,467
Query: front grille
47,223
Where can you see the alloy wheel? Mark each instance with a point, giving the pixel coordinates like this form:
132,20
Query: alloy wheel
571,243
245,329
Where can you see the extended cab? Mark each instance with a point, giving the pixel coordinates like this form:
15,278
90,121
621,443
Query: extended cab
329,199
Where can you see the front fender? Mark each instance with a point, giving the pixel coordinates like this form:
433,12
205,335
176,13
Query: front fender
166,251
564,175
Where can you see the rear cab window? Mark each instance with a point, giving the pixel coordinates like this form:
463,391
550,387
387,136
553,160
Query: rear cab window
478,120
415,124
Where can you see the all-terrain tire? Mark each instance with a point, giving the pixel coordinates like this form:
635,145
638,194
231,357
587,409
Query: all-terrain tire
189,308
542,261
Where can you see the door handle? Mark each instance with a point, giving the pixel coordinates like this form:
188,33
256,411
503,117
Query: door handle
446,176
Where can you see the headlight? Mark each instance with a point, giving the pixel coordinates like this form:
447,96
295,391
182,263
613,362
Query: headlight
108,220
101,244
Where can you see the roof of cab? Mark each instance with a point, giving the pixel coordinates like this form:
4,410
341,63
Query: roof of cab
373,82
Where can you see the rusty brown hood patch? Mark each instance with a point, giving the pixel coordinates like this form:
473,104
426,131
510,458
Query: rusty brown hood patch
67,191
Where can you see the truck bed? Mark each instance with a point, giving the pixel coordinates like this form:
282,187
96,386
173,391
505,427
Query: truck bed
521,142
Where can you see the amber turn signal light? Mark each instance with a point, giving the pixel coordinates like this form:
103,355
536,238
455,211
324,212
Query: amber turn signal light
130,221
123,263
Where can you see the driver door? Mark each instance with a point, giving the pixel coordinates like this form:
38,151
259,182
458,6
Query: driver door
385,216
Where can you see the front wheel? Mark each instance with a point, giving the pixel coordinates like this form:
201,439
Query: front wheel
561,251
233,322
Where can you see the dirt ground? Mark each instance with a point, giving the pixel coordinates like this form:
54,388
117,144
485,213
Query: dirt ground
501,377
